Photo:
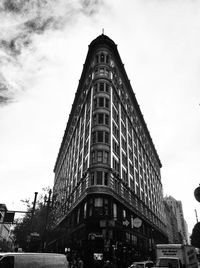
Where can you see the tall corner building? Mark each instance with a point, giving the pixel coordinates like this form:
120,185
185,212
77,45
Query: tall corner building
108,197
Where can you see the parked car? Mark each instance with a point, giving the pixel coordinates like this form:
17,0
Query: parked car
142,264
36,260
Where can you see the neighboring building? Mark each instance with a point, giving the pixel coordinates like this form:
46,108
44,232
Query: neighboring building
178,212
6,239
173,233
107,192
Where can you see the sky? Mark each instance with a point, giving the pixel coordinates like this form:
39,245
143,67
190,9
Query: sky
43,46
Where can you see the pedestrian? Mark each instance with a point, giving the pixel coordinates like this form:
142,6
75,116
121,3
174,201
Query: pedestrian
80,263
107,264
67,262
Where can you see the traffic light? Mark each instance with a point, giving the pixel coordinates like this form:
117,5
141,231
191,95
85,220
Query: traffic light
9,217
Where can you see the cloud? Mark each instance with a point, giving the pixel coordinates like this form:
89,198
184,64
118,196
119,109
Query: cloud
23,21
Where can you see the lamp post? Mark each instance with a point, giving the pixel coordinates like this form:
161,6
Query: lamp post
33,210
46,220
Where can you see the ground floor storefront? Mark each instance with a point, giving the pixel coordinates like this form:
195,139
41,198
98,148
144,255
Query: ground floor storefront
101,228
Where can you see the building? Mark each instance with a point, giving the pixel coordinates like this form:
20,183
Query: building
6,237
174,236
107,192
178,212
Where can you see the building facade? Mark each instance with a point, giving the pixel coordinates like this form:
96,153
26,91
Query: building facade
107,195
174,236
177,209
6,237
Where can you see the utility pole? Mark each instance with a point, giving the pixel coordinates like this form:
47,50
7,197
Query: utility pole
46,221
33,211
31,224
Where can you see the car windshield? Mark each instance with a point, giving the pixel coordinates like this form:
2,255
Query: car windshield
171,263
149,264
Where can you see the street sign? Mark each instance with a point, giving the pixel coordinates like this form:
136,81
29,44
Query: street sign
137,222
126,223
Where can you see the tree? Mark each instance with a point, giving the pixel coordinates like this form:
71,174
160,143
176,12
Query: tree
195,237
29,232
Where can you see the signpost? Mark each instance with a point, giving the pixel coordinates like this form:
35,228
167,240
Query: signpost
137,222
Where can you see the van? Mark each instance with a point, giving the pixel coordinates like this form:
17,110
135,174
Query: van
32,260
176,256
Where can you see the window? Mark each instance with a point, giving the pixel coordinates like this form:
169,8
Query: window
78,215
130,154
115,211
101,102
107,103
115,147
98,202
115,131
124,145
98,206
85,211
99,156
99,136
136,162
106,119
102,58
99,177
92,178
100,119
106,137
95,119
124,175
123,116
87,131
123,129
129,127
124,159
101,71
105,157
115,115
86,147
124,214
130,141
132,184
85,163
95,103
107,88
115,164
105,178
107,58
101,87
95,88
131,168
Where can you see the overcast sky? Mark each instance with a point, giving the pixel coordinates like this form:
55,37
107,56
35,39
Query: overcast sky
43,46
